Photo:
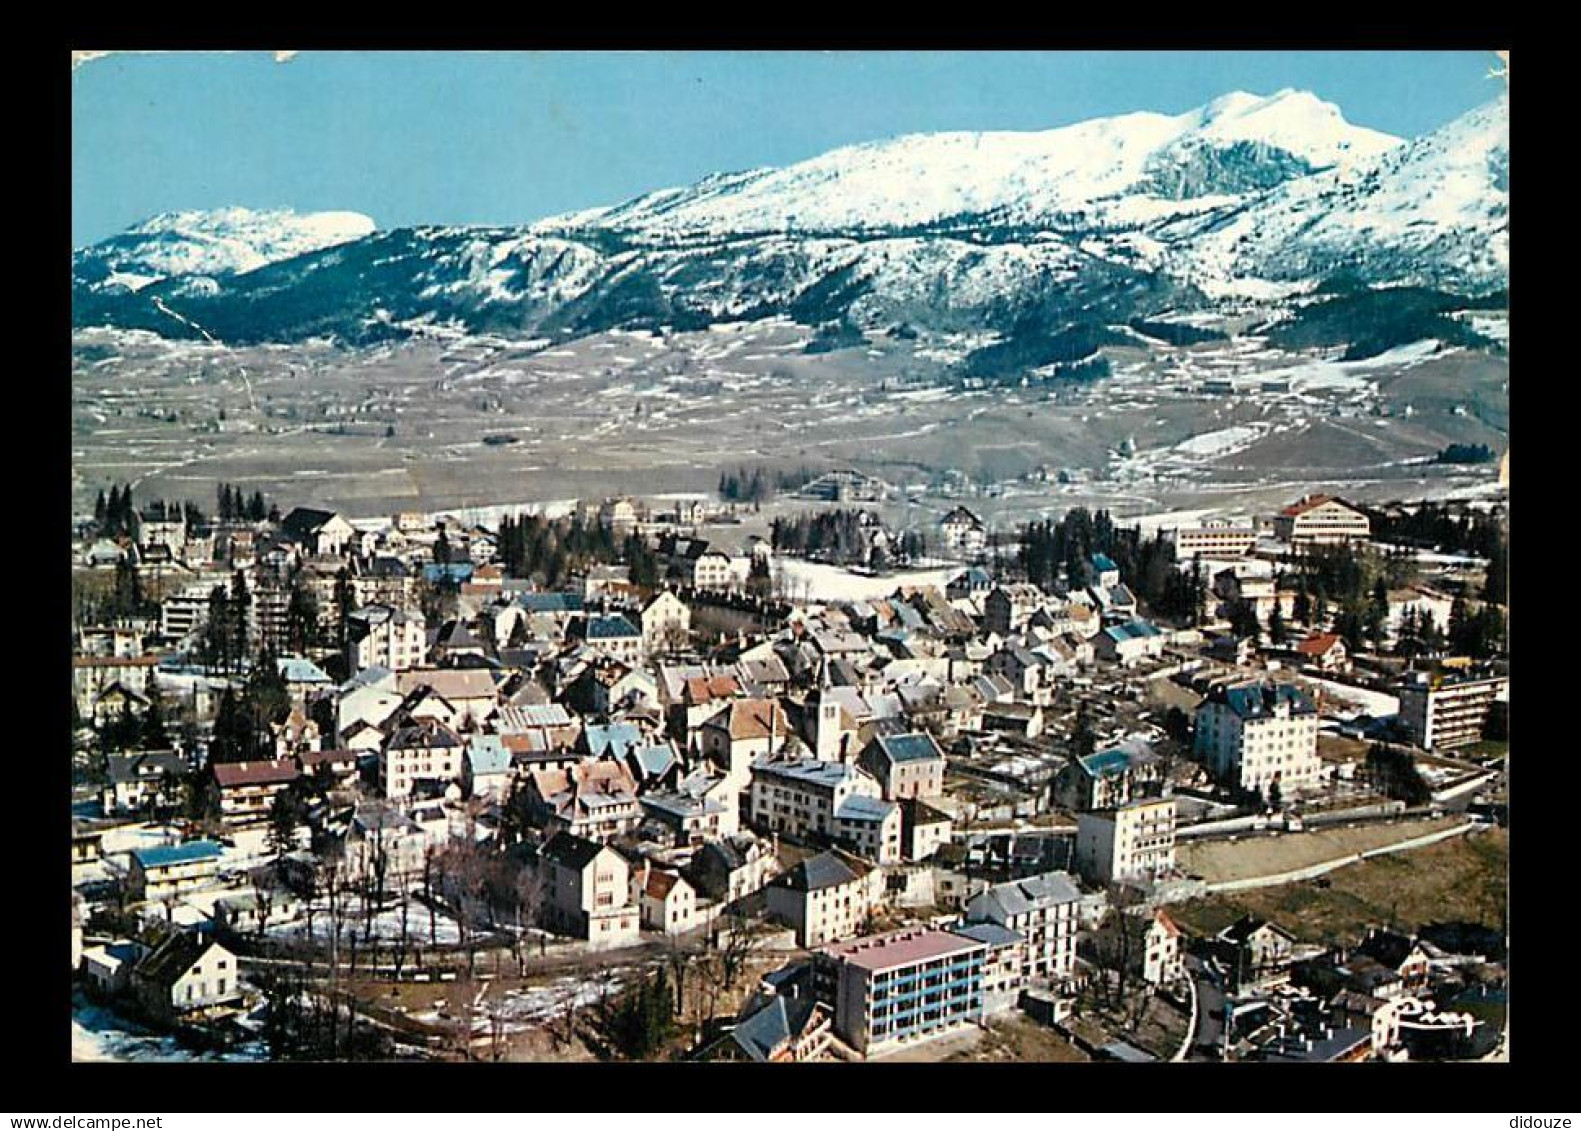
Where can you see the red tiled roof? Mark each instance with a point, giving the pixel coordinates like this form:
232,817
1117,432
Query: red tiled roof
754,718
660,883
701,690
1318,645
1311,502
231,774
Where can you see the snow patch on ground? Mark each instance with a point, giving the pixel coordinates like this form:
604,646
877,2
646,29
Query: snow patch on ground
1223,441
819,582
1344,700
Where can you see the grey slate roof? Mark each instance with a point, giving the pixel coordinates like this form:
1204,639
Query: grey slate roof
1018,897
174,957
147,766
1259,700
826,870
991,933
772,1027
570,850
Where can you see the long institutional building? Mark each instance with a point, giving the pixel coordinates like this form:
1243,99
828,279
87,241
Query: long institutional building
1440,714
1321,520
1215,539
901,987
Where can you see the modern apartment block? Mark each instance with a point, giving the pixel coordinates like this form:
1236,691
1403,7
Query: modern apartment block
1131,842
1215,540
1253,734
1440,714
901,987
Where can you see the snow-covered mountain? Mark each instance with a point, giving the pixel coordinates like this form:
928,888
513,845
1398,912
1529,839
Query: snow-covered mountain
1110,170
1434,211
227,241
1090,224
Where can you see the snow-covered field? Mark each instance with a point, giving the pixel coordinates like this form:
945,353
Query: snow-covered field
537,1004
385,925
100,1034
816,581
1221,442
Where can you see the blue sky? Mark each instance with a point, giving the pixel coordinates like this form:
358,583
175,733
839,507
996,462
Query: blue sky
506,138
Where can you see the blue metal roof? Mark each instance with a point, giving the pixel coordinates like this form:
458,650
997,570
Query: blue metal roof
297,669
915,747
552,602
1107,762
764,1032
601,737
1131,630
448,571
655,759
486,753
610,626
1103,563
163,856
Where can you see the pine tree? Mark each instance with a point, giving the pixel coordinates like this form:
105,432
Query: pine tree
301,617
1243,620
100,509
265,700
1278,632
154,736
228,743
1461,629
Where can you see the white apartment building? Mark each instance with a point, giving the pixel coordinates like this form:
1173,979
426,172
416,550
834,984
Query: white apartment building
387,637
1214,540
798,796
587,891
826,897
1440,714
1254,734
963,531
1131,842
1043,910
426,752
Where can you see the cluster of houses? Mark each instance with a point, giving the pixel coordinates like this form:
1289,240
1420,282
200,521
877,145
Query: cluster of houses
1436,995
653,778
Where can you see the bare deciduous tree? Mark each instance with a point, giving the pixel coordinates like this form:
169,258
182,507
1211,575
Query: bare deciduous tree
736,945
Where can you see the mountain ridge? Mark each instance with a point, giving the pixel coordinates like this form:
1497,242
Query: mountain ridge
1112,219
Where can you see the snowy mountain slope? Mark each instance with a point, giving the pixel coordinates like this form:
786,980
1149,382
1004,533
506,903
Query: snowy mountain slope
228,241
1092,224
1086,169
1434,212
